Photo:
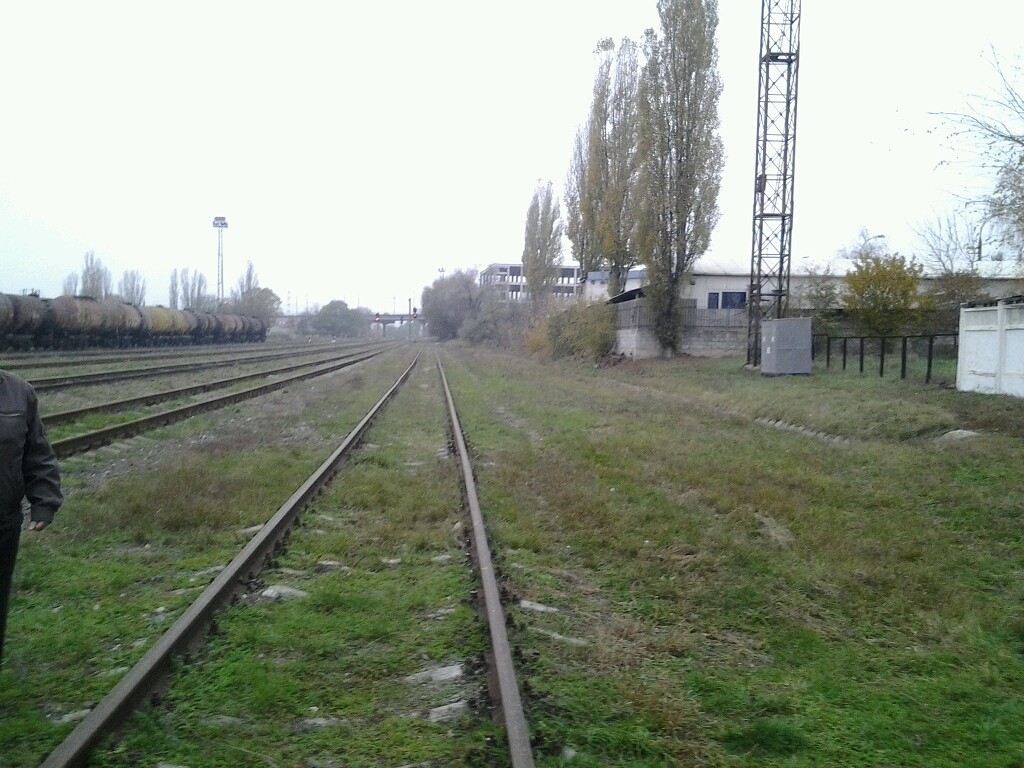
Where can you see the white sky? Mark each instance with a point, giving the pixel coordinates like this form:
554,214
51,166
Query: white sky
356,148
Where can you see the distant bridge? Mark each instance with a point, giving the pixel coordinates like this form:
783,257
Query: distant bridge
390,318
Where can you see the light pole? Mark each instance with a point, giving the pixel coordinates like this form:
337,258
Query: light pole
981,228
221,224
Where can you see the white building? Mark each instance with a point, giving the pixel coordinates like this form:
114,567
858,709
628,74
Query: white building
510,280
596,288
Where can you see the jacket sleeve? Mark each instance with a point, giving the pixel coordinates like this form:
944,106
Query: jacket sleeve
39,468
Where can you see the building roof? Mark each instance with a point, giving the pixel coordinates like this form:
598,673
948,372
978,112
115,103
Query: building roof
632,293
604,274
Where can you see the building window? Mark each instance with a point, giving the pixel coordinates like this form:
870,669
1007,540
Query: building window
734,299
713,300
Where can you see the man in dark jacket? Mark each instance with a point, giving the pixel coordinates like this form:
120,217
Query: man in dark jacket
28,469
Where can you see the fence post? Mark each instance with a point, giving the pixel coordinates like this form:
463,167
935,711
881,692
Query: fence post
881,359
845,339
828,351
862,354
931,350
903,360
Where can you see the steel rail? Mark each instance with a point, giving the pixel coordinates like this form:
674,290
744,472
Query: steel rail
100,437
143,679
66,417
508,699
160,353
21,354
83,379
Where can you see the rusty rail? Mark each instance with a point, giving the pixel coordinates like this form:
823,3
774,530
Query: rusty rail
79,358
66,417
142,680
100,437
102,377
507,697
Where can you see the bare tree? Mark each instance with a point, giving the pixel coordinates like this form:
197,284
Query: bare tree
172,292
132,288
193,292
999,125
96,280
949,246
70,285
185,279
952,254
542,245
681,153
248,298
247,283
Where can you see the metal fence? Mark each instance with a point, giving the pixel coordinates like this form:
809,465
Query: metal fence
694,317
915,355
633,314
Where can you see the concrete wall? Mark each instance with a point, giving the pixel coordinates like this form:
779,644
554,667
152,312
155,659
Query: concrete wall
638,343
714,332
714,342
704,332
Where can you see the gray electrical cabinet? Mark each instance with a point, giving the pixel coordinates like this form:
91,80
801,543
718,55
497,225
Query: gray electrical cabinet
786,346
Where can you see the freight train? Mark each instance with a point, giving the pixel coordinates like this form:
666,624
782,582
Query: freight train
73,322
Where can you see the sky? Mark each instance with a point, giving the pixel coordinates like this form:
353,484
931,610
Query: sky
357,149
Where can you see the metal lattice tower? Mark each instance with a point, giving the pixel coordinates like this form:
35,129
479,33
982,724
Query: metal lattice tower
774,167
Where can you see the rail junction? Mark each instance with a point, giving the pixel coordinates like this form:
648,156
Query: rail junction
145,680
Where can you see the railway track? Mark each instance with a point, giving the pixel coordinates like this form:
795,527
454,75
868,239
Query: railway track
81,359
51,383
100,437
145,679
70,416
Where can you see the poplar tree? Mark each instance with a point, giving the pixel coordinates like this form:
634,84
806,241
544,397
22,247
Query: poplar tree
96,280
132,288
602,174
616,233
542,245
248,298
172,290
680,153
579,226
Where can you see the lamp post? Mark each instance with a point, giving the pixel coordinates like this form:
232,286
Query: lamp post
981,229
221,224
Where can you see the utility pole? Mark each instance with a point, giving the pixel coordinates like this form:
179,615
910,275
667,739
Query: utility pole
410,319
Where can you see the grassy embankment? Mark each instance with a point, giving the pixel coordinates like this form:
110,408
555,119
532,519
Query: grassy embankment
750,595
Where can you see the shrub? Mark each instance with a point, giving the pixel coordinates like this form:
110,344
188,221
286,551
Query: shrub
583,330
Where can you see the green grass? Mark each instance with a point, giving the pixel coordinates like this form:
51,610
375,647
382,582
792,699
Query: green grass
128,553
728,593
755,596
343,652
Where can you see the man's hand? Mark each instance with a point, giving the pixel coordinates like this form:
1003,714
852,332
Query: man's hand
36,525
